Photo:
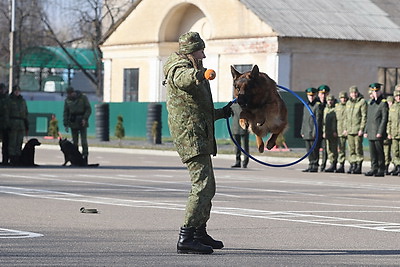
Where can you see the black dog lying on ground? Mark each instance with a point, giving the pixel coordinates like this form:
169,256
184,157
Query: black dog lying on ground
72,154
27,158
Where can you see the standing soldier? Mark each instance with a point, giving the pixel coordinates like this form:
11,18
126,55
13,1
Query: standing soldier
387,143
393,131
191,117
18,125
340,110
330,133
308,131
241,136
4,122
375,130
356,118
76,116
323,93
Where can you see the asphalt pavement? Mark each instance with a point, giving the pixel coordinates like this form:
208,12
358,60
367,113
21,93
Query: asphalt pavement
266,216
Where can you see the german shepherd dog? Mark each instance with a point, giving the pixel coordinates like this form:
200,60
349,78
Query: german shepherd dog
72,154
27,158
263,110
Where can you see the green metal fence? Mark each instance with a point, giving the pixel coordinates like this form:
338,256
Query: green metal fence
135,116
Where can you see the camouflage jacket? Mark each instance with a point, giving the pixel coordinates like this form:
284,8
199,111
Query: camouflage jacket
356,110
329,122
75,110
18,113
340,110
393,126
191,112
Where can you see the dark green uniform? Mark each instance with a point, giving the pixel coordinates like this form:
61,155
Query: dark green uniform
377,119
18,125
241,136
308,131
76,116
4,123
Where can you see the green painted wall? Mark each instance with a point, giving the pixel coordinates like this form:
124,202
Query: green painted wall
135,117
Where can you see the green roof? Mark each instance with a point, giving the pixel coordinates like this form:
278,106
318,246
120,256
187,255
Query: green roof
55,57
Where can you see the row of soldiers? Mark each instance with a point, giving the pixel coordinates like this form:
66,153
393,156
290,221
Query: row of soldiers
13,124
349,120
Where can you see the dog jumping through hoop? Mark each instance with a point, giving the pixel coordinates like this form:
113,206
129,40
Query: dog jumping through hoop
263,110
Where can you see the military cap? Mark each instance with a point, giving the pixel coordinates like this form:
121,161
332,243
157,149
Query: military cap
16,88
330,97
324,88
69,89
397,87
390,98
343,94
353,89
190,42
396,93
311,91
375,86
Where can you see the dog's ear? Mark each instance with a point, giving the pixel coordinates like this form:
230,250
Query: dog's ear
255,72
235,73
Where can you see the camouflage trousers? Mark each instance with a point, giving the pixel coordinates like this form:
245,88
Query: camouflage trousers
75,139
356,152
342,149
198,207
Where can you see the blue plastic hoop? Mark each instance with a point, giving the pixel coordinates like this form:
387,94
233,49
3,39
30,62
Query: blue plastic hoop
287,164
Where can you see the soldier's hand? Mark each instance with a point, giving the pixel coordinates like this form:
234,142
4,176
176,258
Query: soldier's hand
83,123
200,75
227,110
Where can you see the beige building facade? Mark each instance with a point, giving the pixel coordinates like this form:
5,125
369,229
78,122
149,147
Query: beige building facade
296,54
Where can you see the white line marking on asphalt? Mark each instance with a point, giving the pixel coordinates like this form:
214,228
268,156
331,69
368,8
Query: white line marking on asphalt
251,213
8,233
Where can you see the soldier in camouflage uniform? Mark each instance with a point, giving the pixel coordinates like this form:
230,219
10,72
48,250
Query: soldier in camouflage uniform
393,131
340,110
323,93
356,111
375,130
330,132
387,143
308,131
4,122
191,117
18,125
76,116
241,136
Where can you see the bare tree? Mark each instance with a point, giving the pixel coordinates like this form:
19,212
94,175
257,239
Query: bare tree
29,31
92,18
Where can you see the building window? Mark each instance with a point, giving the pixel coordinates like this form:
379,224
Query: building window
243,68
389,77
131,85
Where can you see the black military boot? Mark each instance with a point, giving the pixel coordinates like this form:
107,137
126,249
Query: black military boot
396,170
387,170
85,160
357,168
188,245
331,168
340,169
200,234
14,161
237,164
352,166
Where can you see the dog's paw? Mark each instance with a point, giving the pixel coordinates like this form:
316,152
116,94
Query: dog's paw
244,123
270,145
